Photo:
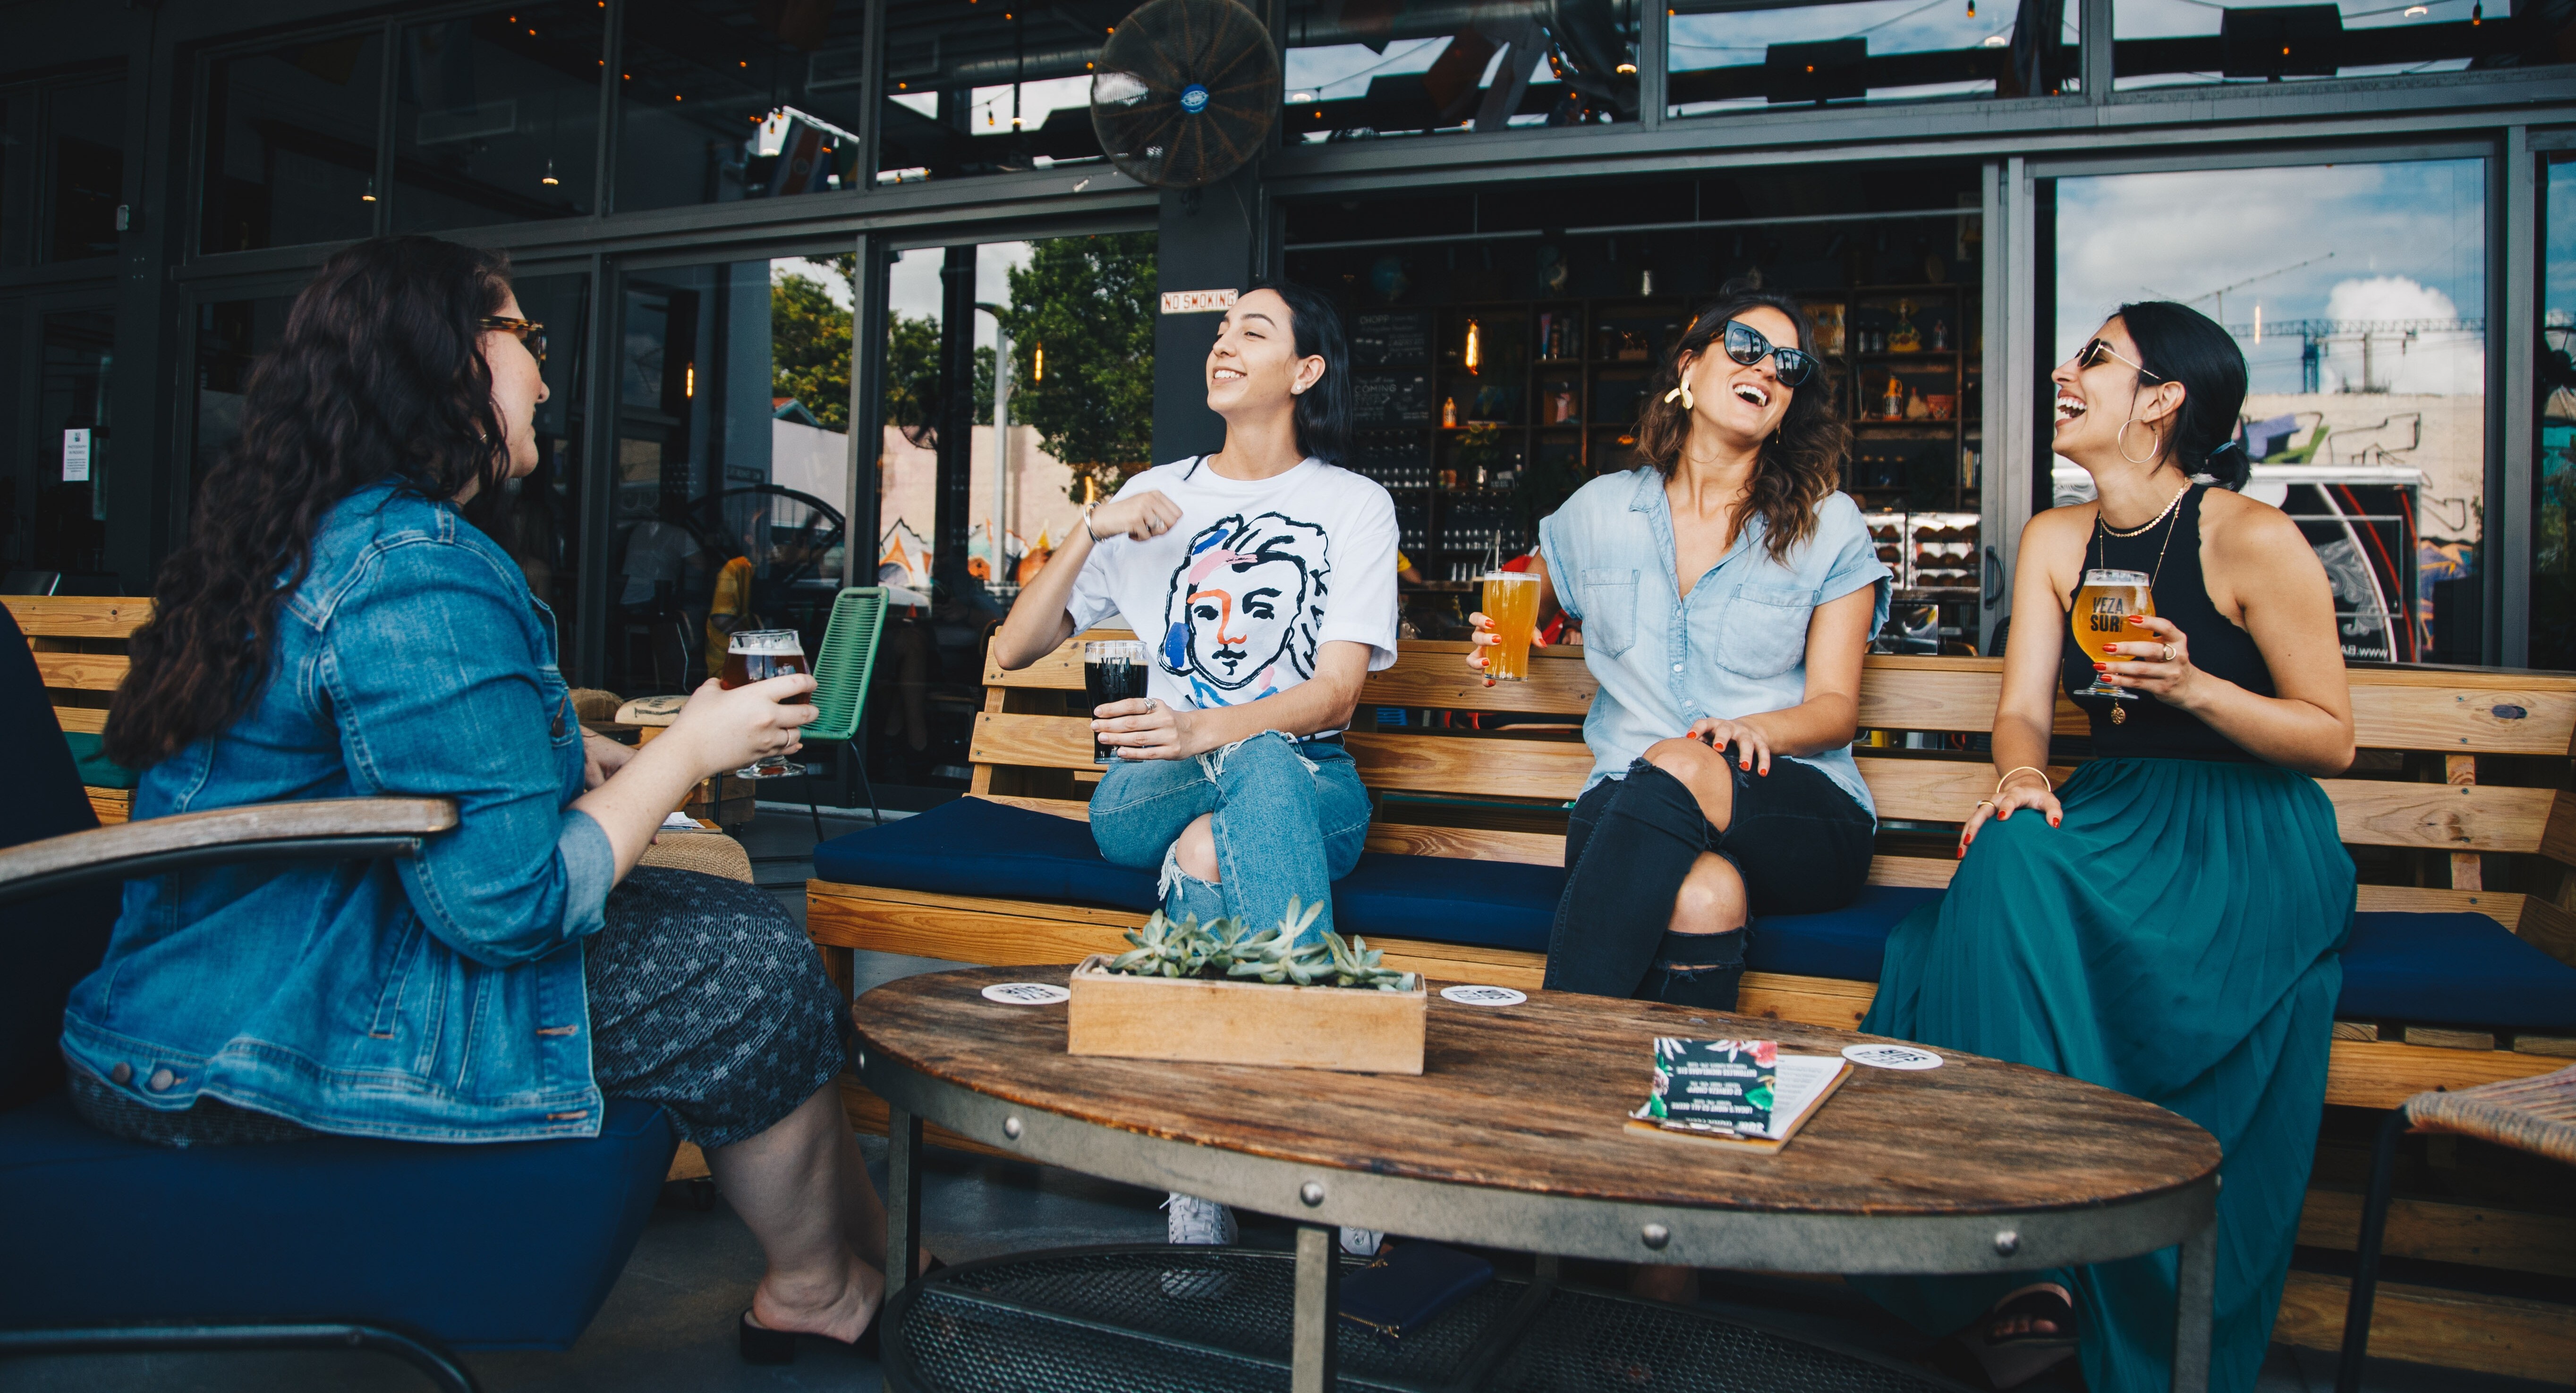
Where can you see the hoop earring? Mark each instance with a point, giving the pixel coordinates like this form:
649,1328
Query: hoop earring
2122,440
1684,392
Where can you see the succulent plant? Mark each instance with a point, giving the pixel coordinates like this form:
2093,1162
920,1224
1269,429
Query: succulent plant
1280,956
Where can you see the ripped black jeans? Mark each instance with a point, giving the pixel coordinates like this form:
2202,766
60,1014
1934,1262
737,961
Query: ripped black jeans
1801,844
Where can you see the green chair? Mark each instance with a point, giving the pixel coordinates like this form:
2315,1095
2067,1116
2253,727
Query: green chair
841,671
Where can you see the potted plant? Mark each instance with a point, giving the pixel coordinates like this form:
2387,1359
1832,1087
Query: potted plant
1218,993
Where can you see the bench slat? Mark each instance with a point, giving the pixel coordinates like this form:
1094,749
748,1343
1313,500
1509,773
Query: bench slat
77,616
81,672
86,720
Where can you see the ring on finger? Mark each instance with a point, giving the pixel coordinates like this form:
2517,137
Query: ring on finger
2169,653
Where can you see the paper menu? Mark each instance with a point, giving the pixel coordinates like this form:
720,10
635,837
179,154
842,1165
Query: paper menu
1744,1091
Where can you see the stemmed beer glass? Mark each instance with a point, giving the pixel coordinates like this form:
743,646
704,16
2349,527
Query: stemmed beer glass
756,655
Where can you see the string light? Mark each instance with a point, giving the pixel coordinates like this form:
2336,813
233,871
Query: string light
2477,14
1472,339
1972,9
549,179
1038,364
689,380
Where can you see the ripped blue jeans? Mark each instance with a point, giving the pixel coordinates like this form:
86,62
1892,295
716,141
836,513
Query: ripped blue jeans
1290,820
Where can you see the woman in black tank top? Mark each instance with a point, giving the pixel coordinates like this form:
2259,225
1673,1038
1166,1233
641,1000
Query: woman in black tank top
2167,923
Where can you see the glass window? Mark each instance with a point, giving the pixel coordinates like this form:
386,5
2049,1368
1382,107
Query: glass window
1355,72
232,336
86,133
2162,42
720,103
985,87
496,118
2553,584
2356,293
66,513
291,143
1728,56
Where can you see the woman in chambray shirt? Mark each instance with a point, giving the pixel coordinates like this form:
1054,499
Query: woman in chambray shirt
339,625
1727,594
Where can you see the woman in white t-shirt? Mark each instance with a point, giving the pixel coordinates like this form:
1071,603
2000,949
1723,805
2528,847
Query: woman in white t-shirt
1262,581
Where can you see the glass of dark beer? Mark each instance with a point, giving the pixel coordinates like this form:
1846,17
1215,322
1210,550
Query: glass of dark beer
755,655
1112,671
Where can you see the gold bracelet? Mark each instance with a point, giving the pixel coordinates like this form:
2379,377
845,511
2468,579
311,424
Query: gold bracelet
2025,769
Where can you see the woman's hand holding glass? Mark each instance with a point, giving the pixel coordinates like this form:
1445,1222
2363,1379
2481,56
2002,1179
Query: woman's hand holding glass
1149,729
2160,667
1484,638
724,728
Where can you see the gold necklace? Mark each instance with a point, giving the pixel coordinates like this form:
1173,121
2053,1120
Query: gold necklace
2142,529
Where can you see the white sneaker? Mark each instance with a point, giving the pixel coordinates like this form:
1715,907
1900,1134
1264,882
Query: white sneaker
1191,1220
1362,1243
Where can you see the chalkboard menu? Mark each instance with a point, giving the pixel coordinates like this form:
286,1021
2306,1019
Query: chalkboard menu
1391,398
1391,336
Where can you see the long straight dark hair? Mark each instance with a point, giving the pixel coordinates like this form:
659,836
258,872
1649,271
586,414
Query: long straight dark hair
1323,410
379,375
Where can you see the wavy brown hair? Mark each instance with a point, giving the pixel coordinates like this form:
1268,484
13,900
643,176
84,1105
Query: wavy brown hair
1801,464
379,375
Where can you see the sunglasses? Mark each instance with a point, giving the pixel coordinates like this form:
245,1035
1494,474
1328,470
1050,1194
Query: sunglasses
1746,345
2092,354
527,331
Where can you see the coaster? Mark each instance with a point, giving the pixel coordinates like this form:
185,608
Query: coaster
1892,1056
1483,996
1027,993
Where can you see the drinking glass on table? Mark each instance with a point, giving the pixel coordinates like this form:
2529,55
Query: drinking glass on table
1511,601
1112,670
756,655
2102,609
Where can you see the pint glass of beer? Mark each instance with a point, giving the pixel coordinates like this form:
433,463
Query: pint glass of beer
755,655
1112,670
1511,601
2102,609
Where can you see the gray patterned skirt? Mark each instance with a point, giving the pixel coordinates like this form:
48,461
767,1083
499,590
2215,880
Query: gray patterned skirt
704,998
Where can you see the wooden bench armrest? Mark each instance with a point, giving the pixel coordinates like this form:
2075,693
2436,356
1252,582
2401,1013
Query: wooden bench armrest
327,827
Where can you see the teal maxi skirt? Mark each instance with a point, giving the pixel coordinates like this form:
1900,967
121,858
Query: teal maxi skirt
2177,938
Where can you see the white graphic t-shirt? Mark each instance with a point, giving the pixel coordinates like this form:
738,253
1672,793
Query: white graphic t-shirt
1234,602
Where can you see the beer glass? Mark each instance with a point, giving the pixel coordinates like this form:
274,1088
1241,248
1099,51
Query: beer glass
1511,601
2102,609
755,655
1112,670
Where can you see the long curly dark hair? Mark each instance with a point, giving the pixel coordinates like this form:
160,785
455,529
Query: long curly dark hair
1801,464
379,375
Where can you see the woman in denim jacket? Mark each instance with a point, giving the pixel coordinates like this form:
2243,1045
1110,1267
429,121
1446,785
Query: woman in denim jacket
338,626
1727,595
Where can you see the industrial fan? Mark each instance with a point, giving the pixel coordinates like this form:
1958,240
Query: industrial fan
1186,91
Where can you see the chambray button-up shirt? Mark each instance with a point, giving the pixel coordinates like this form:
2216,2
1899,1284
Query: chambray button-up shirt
1736,647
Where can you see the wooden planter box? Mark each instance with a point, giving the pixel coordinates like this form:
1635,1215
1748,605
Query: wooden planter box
1236,1022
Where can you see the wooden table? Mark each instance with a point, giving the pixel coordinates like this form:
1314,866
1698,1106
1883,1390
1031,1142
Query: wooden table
1512,1137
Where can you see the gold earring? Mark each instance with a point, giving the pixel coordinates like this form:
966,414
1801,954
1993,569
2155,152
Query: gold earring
1684,392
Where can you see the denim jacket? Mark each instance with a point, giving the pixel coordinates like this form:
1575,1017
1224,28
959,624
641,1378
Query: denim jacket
435,998
1737,646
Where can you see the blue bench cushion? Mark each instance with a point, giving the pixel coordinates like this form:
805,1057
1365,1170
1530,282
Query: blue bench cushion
2452,969
512,1245
89,754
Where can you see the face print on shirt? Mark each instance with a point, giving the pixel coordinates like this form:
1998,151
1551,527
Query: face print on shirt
1248,597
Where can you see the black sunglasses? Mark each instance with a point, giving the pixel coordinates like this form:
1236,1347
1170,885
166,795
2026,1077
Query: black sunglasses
529,332
2092,354
1746,345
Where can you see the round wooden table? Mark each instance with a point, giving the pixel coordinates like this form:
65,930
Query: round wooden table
1513,1137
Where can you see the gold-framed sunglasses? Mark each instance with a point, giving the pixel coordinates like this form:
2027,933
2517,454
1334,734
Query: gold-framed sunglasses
527,331
2093,353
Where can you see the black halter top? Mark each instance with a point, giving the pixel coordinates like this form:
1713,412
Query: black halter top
2152,729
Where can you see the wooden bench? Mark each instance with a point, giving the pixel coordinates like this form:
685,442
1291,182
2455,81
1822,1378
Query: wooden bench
80,646
2413,809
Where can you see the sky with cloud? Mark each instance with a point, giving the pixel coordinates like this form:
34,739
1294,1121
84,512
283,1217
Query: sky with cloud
2376,241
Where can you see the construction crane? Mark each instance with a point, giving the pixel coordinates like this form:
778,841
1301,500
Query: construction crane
2316,334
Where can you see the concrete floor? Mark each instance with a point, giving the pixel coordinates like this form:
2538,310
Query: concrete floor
668,1326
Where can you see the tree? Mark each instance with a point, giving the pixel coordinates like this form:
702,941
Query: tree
1088,303
809,347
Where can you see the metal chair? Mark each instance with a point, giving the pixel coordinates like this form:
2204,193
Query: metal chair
841,670
2537,1115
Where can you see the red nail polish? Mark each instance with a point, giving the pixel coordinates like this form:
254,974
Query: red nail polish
2101,667
2138,620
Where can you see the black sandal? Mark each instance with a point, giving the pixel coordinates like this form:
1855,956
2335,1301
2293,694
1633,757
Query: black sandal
2009,1361
761,1345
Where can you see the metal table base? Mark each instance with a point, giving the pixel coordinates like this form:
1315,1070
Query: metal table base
1155,1319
